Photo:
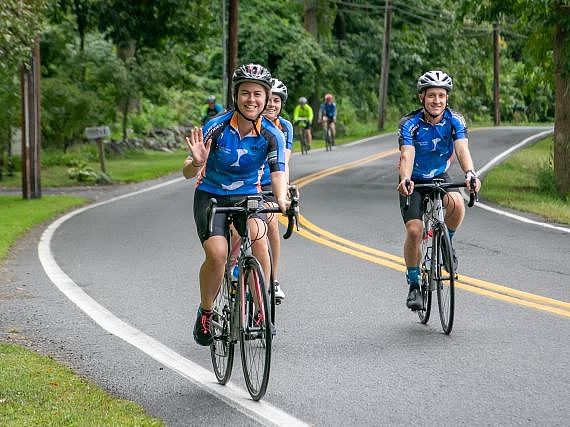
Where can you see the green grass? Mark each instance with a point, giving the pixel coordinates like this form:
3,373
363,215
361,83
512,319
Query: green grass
37,391
19,215
525,182
134,166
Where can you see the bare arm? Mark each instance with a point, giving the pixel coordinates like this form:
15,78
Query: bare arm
198,153
466,162
407,156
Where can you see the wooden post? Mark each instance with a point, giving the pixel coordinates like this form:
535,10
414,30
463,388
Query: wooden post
497,110
101,151
383,91
232,49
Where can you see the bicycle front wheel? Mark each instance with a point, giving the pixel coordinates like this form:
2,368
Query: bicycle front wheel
222,348
445,280
255,330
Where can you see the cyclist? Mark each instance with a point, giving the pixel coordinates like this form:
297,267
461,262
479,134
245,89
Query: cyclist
275,105
211,109
327,114
226,155
428,138
303,118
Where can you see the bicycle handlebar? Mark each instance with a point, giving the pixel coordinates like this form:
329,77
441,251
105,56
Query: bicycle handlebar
439,185
250,205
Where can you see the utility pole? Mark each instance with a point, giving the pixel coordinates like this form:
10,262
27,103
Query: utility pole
31,132
497,111
232,49
383,90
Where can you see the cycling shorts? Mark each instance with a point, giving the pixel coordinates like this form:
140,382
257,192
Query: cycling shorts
268,198
416,208
304,124
220,228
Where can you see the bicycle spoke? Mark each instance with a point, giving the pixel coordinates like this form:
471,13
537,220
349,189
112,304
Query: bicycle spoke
222,349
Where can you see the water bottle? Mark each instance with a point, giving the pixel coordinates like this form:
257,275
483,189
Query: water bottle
235,271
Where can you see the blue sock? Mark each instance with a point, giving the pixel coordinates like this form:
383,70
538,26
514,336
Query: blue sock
413,277
451,233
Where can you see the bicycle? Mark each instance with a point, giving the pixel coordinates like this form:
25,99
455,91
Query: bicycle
329,136
241,309
437,269
302,126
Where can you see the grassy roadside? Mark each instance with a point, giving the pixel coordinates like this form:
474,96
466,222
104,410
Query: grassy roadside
525,182
37,391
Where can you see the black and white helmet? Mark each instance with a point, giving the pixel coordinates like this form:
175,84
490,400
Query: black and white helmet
278,88
253,73
434,79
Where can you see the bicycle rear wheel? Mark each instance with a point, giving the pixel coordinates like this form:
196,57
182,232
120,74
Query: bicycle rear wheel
445,280
302,140
255,330
222,349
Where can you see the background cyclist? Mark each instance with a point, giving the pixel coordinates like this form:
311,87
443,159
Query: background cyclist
327,114
210,109
226,155
428,138
303,117
275,105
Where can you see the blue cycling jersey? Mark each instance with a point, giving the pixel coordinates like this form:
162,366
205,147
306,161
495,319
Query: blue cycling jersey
433,143
232,167
287,128
329,110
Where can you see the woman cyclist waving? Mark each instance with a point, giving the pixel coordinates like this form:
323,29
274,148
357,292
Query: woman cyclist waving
226,155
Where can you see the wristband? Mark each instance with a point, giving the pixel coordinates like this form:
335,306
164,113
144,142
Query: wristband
197,165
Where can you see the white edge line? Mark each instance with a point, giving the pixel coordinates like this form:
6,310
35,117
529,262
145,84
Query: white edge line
498,159
232,395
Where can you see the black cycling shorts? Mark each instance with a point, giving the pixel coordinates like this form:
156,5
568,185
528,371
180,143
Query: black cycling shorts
416,208
220,228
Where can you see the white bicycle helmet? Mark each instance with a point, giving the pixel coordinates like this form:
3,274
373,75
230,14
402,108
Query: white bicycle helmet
302,100
278,88
434,79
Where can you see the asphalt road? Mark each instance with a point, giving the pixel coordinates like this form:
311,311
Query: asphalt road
347,350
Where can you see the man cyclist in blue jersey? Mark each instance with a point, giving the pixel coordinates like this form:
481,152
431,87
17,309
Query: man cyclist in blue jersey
327,114
428,139
275,105
226,156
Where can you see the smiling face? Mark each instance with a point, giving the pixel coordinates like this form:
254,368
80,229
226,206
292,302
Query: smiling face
273,107
434,100
251,99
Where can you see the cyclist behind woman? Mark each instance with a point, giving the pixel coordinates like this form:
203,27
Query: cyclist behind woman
428,138
210,109
275,105
327,114
226,156
303,119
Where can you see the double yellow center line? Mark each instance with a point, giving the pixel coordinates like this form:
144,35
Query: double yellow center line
481,287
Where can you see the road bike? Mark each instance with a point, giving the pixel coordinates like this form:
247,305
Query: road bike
242,307
437,266
302,126
329,136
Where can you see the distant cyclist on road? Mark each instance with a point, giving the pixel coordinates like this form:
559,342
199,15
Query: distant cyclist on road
227,155
210,109
303,118
428,139
327,114
275,105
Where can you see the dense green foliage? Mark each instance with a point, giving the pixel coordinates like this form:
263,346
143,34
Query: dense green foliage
151,63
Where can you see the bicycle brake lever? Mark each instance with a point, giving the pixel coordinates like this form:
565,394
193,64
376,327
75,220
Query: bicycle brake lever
407,184
211,213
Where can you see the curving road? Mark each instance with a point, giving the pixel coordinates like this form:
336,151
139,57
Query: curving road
347,352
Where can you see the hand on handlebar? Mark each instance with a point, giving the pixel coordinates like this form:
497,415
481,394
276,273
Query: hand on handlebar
406,187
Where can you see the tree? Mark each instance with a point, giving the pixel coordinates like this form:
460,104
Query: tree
548,44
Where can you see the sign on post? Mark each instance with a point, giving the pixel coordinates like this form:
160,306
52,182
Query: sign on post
98,133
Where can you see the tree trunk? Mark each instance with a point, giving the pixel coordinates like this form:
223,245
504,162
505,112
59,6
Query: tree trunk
562,102
310,20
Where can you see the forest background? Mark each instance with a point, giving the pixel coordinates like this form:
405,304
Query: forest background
139,66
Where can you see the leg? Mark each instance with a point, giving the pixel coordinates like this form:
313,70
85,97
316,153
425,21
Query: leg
414,229
212,270
454,210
